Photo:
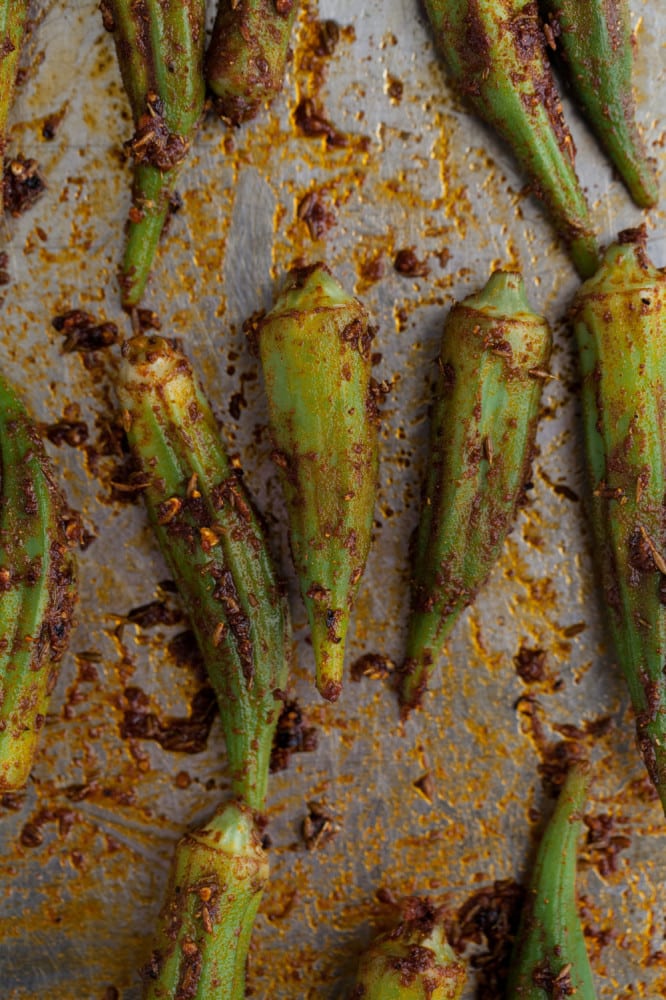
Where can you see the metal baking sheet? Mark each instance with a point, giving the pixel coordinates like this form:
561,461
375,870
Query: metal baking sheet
86,850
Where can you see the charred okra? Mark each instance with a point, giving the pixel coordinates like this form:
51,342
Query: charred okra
596,40
413,961
160,48
212,540
37,587
496,57
247,55
621,334
217,881
314,347
549,958
491,366
13,16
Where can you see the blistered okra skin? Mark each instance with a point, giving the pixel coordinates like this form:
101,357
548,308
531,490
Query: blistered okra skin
247,55
217,881
595,38
620,325
37,587
495,56
549,957
13,16
160,49
213,542
413,961
314,347
491,367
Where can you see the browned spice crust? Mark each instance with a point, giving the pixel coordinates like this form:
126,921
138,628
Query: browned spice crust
489,918
292,735
23,185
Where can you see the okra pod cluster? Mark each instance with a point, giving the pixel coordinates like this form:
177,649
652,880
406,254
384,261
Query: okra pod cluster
495,55
37,587
217,881
412,961
549,958
596,41
160,49
314,347
213,542
491,367
619,324
13,16
247,55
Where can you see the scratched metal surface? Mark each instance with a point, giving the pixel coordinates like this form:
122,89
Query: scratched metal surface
77,907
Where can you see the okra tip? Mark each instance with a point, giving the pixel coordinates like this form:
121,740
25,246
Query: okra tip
585,254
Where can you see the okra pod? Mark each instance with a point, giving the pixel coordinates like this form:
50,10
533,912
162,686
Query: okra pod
413,961
619,325
160,49
213,542
37,587
314,347
549,958
491,367
13,16
217,881
596,41
247,55
495,55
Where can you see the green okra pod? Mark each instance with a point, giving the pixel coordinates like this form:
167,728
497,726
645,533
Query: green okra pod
412,961
619,322
160,49
213,542
491,367
37,587
247,55
314,347
13,17
549,958
495,55
217,881
596,40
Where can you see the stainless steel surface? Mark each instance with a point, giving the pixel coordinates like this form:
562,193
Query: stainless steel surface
77,909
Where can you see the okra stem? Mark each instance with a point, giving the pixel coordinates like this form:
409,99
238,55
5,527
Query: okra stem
217,881
160,49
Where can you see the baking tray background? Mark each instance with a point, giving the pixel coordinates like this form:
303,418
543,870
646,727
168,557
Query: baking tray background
80,897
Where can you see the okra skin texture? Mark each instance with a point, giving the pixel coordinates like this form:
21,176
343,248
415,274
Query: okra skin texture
596,42
413,961
491,368
550,958
213,542
314,347
247,55
619,320
13,17
37,587
160,49
218,877
496,58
